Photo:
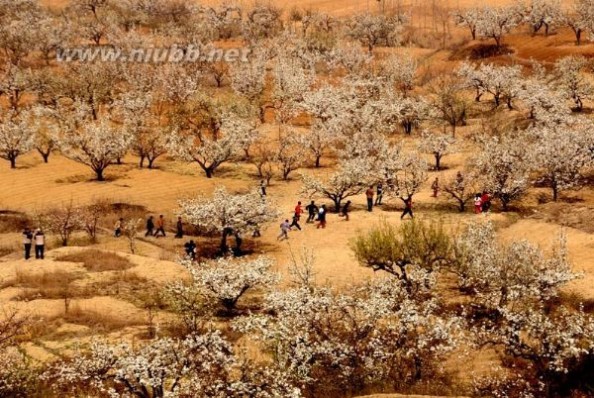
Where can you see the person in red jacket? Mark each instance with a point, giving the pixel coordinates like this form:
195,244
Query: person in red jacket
297,216
485,201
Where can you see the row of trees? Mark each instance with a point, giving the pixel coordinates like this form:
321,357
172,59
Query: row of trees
389,334
495,22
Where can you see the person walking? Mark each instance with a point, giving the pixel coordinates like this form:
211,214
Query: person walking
179,229
345,210
285,227
160,226
478,204
407,207
312,210
435,187
380,194
150,227
118,228
190,248
297,216
39,239
27,241
322,217
295,222
262,188
369,195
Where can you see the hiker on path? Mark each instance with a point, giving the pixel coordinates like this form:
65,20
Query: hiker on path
150,227
39,239
380,194
369,194
322,217
160,226
27,242
345,210
118,228
179,228
285,227
435,187
407,207
312,210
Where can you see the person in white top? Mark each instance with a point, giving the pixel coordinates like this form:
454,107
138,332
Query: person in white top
39,243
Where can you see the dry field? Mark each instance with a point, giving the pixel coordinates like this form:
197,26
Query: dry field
77,303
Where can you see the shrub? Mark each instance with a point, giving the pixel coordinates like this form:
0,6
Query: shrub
98,261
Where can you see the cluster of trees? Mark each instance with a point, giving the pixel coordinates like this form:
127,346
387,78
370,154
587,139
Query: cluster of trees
495,22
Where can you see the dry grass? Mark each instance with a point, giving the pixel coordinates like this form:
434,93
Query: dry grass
48,285
97,321
5,250
98,261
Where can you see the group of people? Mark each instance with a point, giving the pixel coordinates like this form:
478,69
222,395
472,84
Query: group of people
318,214
379,192
37,238
314,212
152,228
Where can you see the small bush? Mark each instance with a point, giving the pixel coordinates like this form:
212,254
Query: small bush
12,221
98,261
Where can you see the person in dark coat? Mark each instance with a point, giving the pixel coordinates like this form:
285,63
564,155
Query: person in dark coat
312,210
150,227
407,207
27,242
346,209
179,228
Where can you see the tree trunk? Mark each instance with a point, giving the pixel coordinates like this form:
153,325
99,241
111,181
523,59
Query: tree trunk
318,157
238,242
337,204
555,188
12,162
141,164
209,172
44,155
498,41
224,248
437,161
408,126
99,173
578,36
151,161
462,206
